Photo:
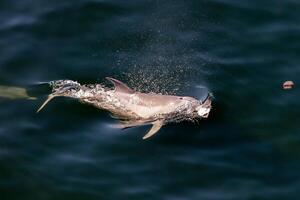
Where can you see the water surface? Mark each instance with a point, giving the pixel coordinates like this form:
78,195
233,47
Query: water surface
241,51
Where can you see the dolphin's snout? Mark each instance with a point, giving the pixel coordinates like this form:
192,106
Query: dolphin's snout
204,109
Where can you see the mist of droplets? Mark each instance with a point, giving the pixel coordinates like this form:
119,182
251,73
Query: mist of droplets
164,61
157,79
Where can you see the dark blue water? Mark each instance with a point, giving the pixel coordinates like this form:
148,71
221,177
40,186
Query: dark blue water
242,51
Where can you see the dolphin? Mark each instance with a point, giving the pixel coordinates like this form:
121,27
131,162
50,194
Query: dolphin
12,92
133,108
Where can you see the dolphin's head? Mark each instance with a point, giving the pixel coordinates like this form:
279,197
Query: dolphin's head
196,107
193,108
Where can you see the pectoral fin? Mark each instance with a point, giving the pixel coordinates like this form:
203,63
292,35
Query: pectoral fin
128,125
155,128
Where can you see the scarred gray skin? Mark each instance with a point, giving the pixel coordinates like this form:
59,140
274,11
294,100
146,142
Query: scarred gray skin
134,108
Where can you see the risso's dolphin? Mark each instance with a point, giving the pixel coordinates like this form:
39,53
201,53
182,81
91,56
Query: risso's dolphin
133,108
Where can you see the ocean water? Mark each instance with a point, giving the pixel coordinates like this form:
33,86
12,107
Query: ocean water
242,51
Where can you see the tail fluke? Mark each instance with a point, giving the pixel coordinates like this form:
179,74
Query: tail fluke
65,88
50,97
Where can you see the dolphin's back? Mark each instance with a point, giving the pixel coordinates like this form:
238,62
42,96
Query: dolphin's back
157,99
148,105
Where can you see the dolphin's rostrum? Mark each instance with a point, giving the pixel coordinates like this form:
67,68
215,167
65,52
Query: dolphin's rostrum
133,108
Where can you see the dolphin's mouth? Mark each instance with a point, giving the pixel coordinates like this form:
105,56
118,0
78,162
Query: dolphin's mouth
203,112
204,109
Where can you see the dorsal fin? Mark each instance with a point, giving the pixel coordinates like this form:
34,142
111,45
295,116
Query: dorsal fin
119,86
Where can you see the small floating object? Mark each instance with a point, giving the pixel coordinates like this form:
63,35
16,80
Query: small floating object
287,85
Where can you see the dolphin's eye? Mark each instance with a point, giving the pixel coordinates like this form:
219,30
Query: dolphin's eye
180,98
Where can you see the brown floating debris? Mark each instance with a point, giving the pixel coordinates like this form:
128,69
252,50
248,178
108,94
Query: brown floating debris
288,85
